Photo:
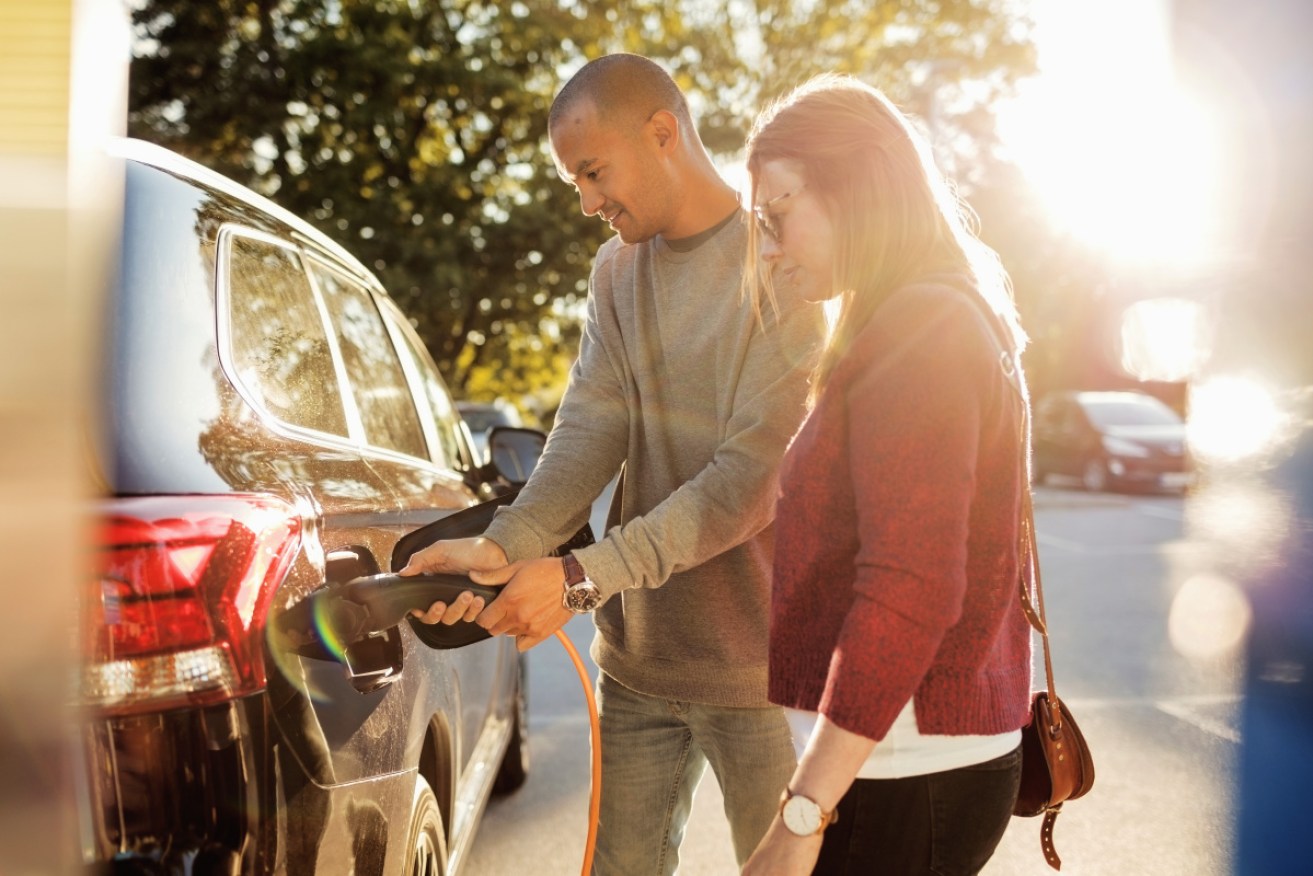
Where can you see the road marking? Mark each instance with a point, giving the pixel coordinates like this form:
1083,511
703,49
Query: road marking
1181,708
1202,722
1185,700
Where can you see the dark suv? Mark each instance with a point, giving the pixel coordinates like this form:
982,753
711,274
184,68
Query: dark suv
272,426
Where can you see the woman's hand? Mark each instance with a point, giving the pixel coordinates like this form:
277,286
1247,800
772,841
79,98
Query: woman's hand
782,852
825,773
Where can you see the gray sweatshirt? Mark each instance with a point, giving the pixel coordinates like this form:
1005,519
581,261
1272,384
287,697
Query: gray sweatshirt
677,381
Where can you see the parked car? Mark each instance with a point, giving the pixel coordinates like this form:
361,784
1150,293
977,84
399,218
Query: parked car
483,417
271,426
1110,440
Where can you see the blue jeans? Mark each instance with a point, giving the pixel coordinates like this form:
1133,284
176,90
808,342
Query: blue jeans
654,752
941,824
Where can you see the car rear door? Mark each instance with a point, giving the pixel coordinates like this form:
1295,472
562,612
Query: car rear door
306,344
413,443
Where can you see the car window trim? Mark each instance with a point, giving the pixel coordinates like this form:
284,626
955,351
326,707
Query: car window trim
344,378
418,391
378,296
355,421
400,324
223,311
354,441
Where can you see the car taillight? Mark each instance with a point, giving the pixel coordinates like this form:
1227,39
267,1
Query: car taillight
176,612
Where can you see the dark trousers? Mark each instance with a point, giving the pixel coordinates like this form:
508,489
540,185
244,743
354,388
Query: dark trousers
942,824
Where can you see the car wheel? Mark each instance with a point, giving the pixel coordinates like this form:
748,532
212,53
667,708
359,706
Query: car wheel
426,852
515,765
1095,476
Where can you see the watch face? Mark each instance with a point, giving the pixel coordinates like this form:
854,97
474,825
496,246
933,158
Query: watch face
582,597
802,816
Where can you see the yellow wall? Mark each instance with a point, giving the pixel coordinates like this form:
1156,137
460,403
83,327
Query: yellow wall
63,81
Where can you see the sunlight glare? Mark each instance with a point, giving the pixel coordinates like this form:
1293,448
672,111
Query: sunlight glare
1244,526
1164,339
1231,419
1118,155
1209,617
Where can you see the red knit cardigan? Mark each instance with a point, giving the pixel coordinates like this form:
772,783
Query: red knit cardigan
896,532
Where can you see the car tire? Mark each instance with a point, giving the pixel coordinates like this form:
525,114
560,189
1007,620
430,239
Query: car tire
1094,477
514,768
426,851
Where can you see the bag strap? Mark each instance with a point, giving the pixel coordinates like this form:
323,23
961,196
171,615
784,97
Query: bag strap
1028,547
1029,557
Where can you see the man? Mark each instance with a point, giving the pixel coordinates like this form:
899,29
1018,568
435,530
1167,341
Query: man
679,382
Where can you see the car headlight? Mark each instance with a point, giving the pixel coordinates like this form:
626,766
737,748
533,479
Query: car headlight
1122,447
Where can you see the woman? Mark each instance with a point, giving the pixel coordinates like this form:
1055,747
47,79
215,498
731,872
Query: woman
898,643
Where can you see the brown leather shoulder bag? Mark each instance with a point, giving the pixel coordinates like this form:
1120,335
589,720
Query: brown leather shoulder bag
1055,759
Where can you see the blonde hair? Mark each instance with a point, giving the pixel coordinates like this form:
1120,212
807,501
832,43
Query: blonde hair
895,216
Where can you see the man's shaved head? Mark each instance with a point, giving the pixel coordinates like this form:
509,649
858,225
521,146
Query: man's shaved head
626,90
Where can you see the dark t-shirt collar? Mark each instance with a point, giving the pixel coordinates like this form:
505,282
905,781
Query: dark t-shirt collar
688,244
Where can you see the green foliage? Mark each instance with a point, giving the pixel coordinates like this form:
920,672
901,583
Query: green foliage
414,131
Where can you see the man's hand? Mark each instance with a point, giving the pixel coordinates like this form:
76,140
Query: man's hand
461,556
529,606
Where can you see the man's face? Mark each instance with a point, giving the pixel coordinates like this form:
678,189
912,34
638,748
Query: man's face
618,173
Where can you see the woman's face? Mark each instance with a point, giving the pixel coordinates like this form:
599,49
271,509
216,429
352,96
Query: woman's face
800,251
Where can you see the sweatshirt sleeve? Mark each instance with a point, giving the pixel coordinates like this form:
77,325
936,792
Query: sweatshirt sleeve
914,413
584,451
733,497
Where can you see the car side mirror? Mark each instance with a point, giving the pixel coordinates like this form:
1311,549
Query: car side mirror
512,453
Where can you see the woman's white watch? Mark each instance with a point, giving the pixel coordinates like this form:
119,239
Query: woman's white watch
804,816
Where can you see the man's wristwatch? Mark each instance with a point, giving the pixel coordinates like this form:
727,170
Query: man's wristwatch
804,816
581,594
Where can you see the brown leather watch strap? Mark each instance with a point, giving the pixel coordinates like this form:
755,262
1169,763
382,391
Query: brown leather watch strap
574,572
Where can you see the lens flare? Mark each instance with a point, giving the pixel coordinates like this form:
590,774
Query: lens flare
1245,528
1209,617
1232,419
1166,339
327,635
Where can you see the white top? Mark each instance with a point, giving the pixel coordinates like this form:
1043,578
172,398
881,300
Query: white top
905,751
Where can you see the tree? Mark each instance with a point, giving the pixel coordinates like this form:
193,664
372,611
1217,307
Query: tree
414,131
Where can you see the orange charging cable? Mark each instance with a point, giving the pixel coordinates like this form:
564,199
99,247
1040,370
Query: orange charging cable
595,800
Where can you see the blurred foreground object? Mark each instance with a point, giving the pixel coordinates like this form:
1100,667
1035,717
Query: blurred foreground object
63,87
1253,68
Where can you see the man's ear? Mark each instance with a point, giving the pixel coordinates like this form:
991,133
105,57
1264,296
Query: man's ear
664,127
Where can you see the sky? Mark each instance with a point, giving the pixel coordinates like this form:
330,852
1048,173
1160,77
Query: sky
1122,158
1134,166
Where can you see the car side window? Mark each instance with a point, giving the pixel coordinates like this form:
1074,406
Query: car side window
377,382
446,420
1049,418
1074,422
277,339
